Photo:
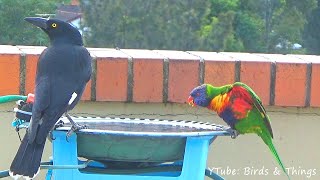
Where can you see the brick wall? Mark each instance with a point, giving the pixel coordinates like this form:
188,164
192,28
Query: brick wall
130,75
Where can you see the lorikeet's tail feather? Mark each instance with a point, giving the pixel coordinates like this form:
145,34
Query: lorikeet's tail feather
268,141
27,160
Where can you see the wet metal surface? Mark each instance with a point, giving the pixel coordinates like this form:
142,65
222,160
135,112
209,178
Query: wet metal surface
144,126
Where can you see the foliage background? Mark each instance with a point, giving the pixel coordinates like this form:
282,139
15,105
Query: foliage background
272,26
269,26
14,30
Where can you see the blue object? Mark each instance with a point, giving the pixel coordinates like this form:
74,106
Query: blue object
193,168
17,123
21,124
124,143
4,174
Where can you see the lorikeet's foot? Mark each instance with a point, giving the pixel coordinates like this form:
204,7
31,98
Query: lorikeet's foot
233,133
74,126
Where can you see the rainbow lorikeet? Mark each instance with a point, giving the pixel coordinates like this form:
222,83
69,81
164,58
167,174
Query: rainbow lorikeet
240,107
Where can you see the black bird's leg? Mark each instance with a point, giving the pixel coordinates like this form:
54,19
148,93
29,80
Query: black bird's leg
233,133
74,126
50,136
58,124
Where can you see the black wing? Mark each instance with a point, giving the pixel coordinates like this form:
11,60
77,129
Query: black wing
61,71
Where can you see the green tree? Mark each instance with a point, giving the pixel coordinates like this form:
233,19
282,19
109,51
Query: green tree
219,34
218,25
272,25
222,6
14,30
148,24
287,31
289,25
311,32
236,25
151,24
250,29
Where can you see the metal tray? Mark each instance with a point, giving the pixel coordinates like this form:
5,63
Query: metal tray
132,142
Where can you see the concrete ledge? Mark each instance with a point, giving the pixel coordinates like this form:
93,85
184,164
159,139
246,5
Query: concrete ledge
132,75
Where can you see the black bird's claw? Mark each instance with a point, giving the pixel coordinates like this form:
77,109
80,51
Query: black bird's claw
51,138
233,133
75,128
59,124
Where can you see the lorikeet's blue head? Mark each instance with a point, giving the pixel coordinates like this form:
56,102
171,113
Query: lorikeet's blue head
198,96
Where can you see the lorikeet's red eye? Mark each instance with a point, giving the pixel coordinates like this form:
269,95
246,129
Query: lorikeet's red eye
198,94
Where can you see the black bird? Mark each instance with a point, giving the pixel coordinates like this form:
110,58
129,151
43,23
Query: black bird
63,70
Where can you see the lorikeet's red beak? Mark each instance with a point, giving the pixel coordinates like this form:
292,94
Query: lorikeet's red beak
190,101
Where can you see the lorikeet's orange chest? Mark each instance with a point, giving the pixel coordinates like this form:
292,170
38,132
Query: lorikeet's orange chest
219,103
233,105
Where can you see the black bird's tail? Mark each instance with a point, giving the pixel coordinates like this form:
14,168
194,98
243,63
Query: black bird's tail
28,158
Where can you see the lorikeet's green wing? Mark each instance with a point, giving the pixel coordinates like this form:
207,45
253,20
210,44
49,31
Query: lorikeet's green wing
252,124
264,129
258,104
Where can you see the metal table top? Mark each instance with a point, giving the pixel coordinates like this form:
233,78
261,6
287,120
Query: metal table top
144,127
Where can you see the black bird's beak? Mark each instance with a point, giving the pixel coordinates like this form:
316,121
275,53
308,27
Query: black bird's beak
37,21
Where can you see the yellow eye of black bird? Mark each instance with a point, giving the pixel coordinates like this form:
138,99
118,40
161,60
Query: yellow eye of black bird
57,30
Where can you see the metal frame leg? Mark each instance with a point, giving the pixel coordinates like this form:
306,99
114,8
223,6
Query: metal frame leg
195,158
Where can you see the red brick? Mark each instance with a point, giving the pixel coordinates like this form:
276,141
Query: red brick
315,86
112,75
219,69
31,69
32,54
86,96
9,74
255,71
257,75
9,70
148,80
147,75
315,78
183,74
290,85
